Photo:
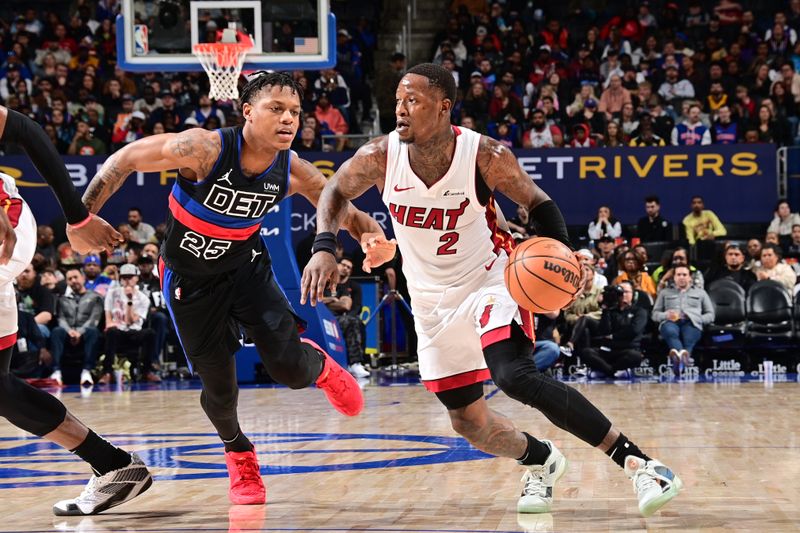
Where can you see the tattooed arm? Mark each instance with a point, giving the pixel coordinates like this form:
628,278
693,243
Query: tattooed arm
502,172
307,180
193,151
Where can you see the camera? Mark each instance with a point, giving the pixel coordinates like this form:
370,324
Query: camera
611,295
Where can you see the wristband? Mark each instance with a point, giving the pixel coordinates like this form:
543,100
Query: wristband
324,242
82,223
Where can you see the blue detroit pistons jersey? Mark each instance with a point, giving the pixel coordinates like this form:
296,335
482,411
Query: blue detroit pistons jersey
213,226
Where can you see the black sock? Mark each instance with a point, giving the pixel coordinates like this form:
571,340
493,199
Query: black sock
101,454
239,443
622,448
536,453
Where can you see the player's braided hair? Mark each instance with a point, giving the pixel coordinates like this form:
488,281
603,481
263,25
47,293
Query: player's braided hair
438,77
263,79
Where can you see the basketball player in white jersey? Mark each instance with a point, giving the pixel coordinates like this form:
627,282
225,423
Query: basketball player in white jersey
438,182
118,475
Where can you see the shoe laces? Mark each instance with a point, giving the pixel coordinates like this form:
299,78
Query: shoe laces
335,381
644,481
90,490
247,469
534,481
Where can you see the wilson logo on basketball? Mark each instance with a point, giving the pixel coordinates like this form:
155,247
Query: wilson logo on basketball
568,275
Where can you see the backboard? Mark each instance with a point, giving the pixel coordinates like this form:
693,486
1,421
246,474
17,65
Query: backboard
158,35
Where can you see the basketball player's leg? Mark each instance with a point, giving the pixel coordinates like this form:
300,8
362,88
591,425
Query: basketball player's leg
514,372
41,414
260,306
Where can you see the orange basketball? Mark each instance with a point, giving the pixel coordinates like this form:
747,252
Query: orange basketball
542,275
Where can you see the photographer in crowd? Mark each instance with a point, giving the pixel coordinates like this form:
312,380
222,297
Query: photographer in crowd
622,326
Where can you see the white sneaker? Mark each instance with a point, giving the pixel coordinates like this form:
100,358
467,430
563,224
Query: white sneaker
109,490
358,370
537,494
653,483
686,358
86,378
56,376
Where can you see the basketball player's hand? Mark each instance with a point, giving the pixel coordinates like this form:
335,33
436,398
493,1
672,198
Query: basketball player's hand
8,238
94,237
319,273
377,249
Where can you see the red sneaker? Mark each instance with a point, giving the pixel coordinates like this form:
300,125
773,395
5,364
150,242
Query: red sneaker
339,386
247,487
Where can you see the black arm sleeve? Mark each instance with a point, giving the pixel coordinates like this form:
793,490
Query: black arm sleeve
25,132
550,222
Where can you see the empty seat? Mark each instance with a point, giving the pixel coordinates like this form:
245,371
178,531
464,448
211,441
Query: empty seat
730,310
769,310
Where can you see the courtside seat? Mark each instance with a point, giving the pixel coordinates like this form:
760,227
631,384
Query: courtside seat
730,308
770,313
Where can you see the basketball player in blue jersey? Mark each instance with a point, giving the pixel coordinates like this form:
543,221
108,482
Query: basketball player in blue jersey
438,182
118,475
216,272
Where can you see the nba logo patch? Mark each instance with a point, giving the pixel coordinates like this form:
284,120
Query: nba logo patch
177,293
141,41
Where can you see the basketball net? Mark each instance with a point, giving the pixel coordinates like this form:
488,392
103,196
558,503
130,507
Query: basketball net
223,62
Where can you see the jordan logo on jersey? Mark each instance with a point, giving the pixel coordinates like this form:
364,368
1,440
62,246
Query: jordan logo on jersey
225,176
427,218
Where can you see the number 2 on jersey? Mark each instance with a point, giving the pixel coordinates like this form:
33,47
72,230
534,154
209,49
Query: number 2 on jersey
197,245
448,240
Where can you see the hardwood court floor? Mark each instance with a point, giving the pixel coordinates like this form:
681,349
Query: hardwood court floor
399,466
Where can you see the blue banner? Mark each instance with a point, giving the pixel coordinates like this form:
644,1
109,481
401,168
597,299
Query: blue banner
738,182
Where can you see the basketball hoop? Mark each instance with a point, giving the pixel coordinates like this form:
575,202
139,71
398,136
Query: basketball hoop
223,62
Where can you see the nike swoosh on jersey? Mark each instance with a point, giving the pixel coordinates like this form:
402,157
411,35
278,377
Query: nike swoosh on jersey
398,189
490,265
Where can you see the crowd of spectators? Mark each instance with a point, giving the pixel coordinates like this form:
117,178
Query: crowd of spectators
696,72
58,65
108,315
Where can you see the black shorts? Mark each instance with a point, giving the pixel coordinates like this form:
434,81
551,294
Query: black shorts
461,396
211,314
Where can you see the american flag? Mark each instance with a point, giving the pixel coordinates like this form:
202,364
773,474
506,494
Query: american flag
306,45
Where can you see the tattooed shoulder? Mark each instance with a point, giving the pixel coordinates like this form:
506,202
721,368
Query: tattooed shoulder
201,146
492,155
370,159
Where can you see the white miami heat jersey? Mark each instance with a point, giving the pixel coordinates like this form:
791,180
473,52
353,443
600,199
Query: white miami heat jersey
10,199
443,231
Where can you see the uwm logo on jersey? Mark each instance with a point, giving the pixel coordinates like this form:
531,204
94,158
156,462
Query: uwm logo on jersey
240,204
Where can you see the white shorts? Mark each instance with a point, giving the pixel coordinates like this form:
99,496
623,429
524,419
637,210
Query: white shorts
453,326
23,253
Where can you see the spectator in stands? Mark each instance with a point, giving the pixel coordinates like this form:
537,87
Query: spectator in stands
702,224
733,268
613,136
622,324
140,232
44,242
345,304
126,309
783,221
663,275
385,90
541,135
605,225
682,312
646,135
150,285
331,117
582,316
614,98
148,102
633,271
545,351
767,127
675,89
653,227
691,131
791,80
725,130
35,299
84,142
79,313
131,129
307,142
589,260
582,137
522,223
744,106
606,262
205,109
772,267
95,280
793,248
